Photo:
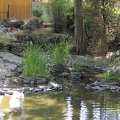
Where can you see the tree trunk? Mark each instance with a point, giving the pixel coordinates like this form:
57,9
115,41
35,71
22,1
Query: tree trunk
79,28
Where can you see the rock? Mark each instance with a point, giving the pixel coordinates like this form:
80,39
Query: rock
55,86
24,81
2,92
73,76
32,82
12,67
8,57
64,74
38,90
88,87
104,85
76,75
42,87
59,69
40,80
9,92
114,88
27,90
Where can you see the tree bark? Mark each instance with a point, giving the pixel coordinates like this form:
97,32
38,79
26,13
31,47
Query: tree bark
79,28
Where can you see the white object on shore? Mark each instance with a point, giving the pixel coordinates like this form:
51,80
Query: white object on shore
2,116
16,101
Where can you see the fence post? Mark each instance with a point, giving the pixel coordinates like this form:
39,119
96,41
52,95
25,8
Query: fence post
8,11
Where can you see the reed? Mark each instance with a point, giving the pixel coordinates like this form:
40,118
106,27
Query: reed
59,53
35,62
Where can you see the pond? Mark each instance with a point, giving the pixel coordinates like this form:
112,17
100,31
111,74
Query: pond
75,103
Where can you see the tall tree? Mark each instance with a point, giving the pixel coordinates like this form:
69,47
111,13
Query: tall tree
79,28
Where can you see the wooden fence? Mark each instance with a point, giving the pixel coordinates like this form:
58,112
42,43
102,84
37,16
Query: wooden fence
19,8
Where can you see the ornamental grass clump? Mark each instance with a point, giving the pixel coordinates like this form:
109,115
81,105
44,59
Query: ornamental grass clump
35,62
59,53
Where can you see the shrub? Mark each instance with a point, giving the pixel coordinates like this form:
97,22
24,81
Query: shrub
111,76
7,22
36,22
27,27
37,12
58,10
69,16
35,62
59,53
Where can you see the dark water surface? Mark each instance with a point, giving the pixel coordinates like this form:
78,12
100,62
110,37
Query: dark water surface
75,103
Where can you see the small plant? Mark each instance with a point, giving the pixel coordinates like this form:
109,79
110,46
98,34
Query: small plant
35,22
113,71
78,63
98,63
35,62
37,12
111,76
59,53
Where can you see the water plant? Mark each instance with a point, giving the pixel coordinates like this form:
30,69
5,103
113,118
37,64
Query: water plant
59,53
35,62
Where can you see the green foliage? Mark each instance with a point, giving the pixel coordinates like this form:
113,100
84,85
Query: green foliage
100,19
78,64
37,12
58,10
35,62
69,15
113,71
111,76
59,53
98,63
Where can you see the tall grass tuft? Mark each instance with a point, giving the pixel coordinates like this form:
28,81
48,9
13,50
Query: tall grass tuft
59,53
35,62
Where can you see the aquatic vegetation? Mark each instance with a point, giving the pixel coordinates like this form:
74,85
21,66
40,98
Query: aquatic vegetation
35,62
59,53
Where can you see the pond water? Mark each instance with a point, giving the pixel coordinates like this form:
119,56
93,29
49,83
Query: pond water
75,103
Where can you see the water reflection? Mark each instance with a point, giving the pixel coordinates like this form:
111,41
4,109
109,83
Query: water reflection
84,112
69,109
96,113
20,116
75,103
